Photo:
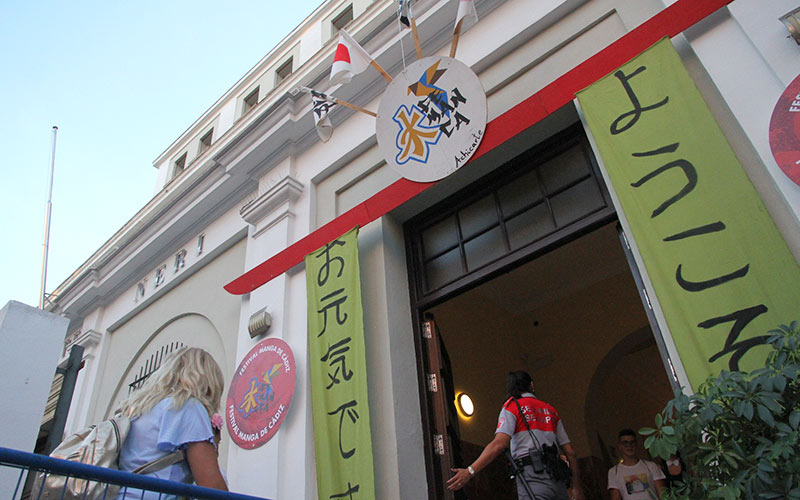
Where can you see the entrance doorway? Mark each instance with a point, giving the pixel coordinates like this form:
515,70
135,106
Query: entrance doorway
574,321
564,306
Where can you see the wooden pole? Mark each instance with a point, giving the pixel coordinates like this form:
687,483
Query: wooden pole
454,44
357,108
416,38
336,100
382,71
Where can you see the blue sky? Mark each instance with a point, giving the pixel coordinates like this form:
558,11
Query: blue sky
121,80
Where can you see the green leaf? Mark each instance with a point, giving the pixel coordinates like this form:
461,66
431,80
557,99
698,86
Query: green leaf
765,415
794,419
748,411
727,492
769,400
780,382
739,430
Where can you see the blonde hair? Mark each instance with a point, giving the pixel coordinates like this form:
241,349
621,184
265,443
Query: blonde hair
187,373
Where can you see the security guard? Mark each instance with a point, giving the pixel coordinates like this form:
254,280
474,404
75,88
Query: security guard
534,442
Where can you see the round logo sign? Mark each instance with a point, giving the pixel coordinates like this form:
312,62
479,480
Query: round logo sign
260,393
431,119
784,131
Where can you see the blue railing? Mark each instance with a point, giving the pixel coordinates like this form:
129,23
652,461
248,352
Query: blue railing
32,462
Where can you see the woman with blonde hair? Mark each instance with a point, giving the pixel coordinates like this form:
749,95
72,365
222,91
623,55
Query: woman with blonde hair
172,411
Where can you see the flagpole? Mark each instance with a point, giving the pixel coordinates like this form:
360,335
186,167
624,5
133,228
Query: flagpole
47,215
336,100
381,70
357,108
416,37
454,44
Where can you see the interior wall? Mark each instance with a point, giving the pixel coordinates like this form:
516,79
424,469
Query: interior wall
627,391
557,317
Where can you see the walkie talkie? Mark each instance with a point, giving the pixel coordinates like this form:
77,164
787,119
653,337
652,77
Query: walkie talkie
536,460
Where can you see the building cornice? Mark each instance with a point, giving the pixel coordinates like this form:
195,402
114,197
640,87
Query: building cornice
252,147
365,22
261,211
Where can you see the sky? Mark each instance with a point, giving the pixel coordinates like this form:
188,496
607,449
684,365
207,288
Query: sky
121,80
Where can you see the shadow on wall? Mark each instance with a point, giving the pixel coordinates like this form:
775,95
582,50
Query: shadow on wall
628,388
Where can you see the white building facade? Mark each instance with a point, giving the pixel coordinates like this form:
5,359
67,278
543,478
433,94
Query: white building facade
250,177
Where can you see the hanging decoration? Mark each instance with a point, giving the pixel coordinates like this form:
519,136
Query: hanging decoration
431,118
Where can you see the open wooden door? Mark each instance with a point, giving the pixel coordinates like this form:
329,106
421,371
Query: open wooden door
441,397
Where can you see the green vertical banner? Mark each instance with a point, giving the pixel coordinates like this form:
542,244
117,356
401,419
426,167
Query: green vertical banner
339,371
721,271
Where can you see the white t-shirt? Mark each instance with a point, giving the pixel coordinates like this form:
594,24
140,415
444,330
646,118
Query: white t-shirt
635,482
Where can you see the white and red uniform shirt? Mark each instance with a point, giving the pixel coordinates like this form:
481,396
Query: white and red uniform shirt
543,419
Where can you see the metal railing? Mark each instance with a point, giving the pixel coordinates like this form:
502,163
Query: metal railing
32,463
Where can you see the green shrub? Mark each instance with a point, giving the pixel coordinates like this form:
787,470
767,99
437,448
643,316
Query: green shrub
739,433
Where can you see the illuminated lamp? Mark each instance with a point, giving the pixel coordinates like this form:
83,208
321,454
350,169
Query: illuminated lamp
465,405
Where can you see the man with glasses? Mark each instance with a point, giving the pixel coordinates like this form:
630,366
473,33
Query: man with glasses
633,478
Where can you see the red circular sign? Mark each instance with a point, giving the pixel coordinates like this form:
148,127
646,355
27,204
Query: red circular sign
784,131
260,394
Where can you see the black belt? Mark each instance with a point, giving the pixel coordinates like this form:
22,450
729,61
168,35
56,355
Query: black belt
526,461
523,461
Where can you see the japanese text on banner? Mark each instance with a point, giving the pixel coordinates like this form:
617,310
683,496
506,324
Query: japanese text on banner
338,371
721,271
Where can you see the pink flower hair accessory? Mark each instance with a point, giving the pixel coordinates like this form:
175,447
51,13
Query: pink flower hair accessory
216,421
